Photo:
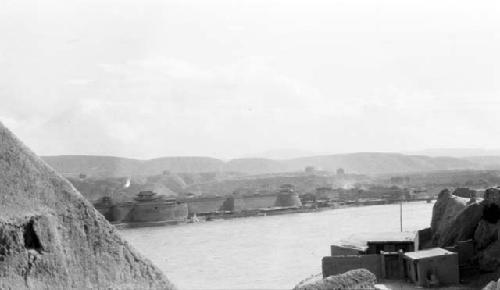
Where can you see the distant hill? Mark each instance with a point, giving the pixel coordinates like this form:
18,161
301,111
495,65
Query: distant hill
363,163
456,152
378,163
280,154
256,165
487,162
106,166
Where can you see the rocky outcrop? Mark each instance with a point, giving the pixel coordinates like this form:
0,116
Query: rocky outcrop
52,238
354,279
487,232
453,221
444,213
462,227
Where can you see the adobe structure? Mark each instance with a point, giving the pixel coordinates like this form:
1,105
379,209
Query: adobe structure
147,207
287,197
235,203
380,253
432,267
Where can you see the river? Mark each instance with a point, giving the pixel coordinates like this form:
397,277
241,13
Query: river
273,252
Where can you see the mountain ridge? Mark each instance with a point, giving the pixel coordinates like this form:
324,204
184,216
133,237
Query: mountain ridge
357,162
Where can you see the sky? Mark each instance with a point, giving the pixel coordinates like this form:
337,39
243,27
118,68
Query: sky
151,78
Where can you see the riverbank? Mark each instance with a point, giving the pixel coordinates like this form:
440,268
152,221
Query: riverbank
227,215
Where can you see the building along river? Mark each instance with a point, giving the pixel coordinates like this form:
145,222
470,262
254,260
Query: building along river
272,252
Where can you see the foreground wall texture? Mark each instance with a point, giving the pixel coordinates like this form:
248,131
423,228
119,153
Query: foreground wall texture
52,238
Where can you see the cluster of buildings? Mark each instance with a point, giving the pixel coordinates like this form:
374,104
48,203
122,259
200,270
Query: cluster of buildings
150,208
400,256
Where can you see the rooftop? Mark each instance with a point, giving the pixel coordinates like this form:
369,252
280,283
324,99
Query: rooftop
359,241
429,253
392,236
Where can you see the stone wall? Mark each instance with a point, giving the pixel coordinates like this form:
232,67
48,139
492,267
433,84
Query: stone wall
240,203
160,211
204,205
130,211
256,202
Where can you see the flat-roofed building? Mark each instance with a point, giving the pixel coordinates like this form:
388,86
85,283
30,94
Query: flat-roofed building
432,267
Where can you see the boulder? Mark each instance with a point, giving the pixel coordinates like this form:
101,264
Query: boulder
462,227
445,211
53,238
354,279
453,221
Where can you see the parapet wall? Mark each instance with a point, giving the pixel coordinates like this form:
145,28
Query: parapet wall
341,264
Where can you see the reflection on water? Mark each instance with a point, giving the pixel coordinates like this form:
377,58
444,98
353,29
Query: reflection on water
273,252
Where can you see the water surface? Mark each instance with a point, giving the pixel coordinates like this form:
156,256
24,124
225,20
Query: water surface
273,252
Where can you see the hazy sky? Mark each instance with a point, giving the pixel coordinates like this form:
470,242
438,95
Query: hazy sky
228,78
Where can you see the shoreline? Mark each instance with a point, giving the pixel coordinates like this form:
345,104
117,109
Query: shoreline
208,217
